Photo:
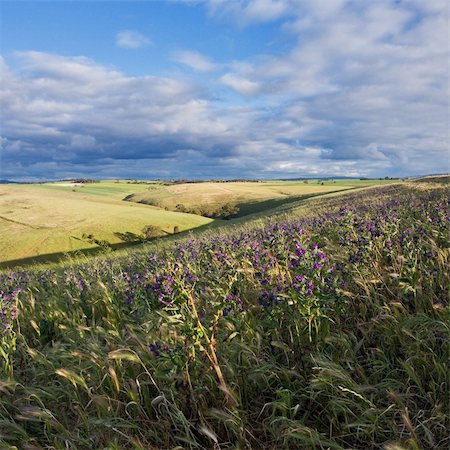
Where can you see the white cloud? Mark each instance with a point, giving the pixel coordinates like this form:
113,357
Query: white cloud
195,60
245,12
241,84
131,39
368,81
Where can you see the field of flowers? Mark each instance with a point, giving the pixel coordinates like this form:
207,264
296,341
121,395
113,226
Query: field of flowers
329,331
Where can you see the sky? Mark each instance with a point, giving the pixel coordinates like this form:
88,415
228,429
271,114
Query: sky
223,89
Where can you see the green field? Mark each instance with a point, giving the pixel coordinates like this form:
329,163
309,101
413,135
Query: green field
116,189
249,197
51,219
40,222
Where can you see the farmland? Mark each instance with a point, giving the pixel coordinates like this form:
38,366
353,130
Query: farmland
41,222
324,325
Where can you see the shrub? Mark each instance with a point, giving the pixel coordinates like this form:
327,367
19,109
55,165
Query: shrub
151,232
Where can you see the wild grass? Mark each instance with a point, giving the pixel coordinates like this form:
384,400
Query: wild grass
323,331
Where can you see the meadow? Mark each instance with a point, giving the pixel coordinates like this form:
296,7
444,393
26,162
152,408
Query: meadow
319,327
44,222
248,197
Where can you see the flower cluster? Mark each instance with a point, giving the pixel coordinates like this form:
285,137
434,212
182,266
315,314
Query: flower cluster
8,310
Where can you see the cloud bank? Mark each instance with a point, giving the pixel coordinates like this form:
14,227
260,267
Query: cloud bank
361,91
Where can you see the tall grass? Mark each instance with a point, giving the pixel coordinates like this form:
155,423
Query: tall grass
326,331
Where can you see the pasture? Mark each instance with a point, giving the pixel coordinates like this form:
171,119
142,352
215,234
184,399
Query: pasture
115,189
250,197
52,219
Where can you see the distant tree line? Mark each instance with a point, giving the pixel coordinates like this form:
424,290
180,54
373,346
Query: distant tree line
83,180
138,182
186,181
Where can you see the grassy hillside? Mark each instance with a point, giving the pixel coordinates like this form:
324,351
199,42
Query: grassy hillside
324,328
116,189
46,219
40,222
250,197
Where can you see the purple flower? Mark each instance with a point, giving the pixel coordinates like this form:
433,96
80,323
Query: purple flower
8,310
268,300
321,256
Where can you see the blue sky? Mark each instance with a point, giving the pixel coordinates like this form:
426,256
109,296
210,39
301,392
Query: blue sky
223,88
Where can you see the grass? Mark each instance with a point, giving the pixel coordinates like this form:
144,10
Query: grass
250,197
116,189
326,327
44,222
44,219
